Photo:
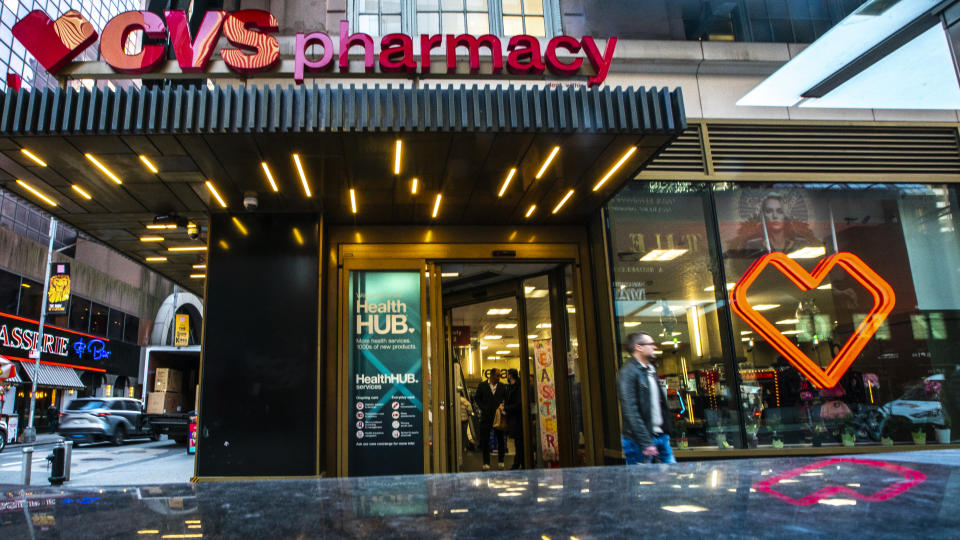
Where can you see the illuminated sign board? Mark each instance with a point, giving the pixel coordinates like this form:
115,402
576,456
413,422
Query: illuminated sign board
255,47
18,336
58,291
883,301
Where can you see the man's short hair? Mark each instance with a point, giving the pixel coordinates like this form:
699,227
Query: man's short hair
634,339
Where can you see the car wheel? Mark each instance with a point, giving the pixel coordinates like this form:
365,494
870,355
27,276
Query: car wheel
154,436
3,440
118,436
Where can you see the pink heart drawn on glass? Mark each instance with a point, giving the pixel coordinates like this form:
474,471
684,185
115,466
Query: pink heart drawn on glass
54,43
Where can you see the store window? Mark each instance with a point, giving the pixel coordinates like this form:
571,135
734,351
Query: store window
789,371
115,324
539,18
900,382
664,284
131,329
79,314
9,292
98,320
31,295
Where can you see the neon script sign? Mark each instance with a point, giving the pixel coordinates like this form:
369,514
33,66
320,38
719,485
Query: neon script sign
256,49
883,301
96,347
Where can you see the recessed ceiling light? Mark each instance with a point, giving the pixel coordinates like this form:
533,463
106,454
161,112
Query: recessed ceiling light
530,211
661,255
83,193
397,153
103,168
215,194
808,253
199,266
303,175
239,225
562,202
33,190
503,352
353,201
187,248
499,311
492,337
148,164
787,321
33,157
449,274
765,307
532,336
414,185
506,325
513,346
152,239
436,205
506,181
623,159
198,276
631,324
266,171
543,168
156,259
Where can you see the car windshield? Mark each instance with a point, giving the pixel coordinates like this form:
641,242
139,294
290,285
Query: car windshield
87,405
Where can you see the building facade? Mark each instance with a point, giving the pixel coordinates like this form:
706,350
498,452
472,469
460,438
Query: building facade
370,244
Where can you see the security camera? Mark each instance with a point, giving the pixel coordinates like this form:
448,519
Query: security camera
193,231
250,200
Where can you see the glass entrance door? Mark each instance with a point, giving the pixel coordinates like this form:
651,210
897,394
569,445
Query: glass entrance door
503,339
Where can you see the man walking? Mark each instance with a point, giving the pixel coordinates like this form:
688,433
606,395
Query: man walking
643,405
490,395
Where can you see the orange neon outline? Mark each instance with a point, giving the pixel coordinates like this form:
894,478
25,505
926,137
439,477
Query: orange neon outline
32,361
45,325
883,301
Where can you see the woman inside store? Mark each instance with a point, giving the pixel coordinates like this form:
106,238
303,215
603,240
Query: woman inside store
513,406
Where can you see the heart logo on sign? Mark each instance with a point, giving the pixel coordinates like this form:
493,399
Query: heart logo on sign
905,479
883,300
54,43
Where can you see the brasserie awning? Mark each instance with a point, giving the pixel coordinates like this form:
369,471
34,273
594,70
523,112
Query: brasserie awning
52,376
8,372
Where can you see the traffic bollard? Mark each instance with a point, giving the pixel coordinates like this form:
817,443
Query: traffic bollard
27,464
68,459
57,461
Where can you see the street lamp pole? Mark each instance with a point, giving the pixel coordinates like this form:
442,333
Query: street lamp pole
30,433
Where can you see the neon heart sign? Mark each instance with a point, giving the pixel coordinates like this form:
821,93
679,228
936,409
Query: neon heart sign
883,301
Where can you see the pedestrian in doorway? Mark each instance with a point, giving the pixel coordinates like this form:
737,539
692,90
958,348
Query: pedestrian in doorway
643,405
466,410
490,395
53,417
513,407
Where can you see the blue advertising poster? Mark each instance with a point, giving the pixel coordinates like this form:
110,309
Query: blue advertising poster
386,373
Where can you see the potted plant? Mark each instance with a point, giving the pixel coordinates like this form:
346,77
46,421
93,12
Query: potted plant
943,432
919,436
752,435
817,434
682,442
848,434
776,440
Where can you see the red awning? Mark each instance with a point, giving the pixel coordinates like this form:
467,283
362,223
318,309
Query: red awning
8,369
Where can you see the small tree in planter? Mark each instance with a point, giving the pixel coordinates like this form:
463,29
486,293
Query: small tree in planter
776,437
817,433
919,436
848,433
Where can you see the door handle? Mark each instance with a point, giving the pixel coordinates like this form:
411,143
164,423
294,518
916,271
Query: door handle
442,404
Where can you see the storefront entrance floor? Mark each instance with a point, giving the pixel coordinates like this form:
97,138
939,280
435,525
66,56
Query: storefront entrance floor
896,495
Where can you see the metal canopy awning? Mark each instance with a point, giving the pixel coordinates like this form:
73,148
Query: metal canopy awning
53,376
460,142
6,366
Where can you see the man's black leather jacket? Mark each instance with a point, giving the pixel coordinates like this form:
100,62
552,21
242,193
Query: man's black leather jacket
634,392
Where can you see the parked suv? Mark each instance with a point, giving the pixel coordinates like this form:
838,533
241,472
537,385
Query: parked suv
3,434
103,419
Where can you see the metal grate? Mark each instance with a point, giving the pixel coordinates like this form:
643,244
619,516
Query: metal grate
833,149
685,154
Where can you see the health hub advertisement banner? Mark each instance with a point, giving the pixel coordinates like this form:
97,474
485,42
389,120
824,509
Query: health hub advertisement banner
386,373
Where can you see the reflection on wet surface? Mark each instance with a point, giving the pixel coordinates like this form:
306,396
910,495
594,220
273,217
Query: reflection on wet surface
879,496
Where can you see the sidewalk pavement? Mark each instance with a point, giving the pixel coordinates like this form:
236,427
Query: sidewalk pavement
42,438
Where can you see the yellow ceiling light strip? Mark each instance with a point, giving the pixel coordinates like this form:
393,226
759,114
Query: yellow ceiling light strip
158,226
436,205
397,154
103,168
530,211
33,190
506,181
297,236
83,193
303,175
266,170
562,202
215,194
616,167
151,239
199,267
156,259
198,276
543,168
239,225
353,201
187,248
148,164
33,157
414,184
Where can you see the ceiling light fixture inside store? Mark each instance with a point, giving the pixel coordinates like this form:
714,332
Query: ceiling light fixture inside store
303,175
397,153
615,168
436,205
661,255
680,508
216,195
506,325
532,336
449,274
513,346
33,157
353,201
414,184
537,293
506,181
562,202
765,307
103,168
826,287
499,311
543,325
297,236
530,211
148,164
808,253
788,321
266,171
712,288
543,168
790,332
631,324
492,337
83,193
239,225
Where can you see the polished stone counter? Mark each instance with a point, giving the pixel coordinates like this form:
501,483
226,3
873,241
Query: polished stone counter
914,495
